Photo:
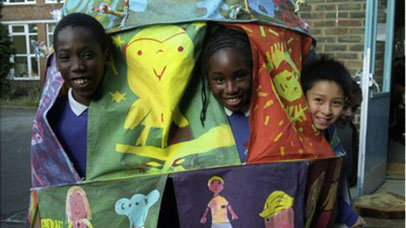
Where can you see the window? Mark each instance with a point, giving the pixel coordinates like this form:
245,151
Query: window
50,34
17,2
54,1
26,64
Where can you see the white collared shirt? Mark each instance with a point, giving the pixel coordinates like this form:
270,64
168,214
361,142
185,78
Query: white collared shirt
229,112
76,107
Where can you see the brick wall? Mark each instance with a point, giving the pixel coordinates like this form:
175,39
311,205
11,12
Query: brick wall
39,11
338,26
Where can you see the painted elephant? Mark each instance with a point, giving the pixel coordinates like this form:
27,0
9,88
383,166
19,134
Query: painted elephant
136,208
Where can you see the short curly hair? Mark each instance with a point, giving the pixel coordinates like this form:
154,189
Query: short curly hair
87,22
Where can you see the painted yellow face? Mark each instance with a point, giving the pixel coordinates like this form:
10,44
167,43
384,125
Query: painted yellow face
288,86
156,58
160,60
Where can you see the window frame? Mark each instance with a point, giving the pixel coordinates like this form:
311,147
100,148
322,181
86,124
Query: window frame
54,2
28,55
26,2
49,33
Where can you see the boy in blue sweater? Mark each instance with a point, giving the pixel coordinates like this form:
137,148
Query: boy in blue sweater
82,51
326,84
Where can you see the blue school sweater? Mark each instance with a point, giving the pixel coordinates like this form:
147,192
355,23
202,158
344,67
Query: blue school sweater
239,123
70,127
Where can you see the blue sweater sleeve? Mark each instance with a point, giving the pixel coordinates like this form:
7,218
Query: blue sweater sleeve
345,212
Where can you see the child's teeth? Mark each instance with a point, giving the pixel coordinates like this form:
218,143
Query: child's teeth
81,81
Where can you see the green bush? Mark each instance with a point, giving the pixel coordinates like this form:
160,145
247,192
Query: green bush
15,94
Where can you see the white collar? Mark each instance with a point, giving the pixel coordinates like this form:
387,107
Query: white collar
76,107
229,112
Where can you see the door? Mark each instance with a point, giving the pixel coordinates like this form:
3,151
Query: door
375,83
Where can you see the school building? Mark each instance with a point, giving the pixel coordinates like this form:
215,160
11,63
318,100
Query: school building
29,20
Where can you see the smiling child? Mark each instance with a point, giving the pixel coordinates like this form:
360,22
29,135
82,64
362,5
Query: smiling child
82,51
326,84
227,66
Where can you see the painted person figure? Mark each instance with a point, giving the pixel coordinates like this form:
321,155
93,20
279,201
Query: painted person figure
278,210
82,51
227,66
218,205
326,84
78,213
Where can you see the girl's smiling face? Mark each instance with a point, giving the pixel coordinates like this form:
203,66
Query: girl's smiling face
81,61
229,76
326,102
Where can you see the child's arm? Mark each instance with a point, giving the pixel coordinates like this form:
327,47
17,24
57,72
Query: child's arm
346,213
233,214
203,219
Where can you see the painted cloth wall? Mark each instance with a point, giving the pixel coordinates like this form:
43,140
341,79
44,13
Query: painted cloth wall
144,122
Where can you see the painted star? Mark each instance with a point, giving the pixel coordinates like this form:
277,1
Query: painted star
117,96
118,41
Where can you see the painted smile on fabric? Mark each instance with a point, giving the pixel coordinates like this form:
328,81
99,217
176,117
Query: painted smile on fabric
81,61
326,100
155,54
229,77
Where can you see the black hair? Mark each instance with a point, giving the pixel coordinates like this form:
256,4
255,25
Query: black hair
85,21
326,69
354,90
221,37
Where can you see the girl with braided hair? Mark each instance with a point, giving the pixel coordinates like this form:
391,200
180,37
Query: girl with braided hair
227,66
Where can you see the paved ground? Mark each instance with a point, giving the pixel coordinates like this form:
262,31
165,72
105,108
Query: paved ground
15,141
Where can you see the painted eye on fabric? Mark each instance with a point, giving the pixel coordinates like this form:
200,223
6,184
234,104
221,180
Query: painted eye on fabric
136,204
139,52
180,49
223,206
262,8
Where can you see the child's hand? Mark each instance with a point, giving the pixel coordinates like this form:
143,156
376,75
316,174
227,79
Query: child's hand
203,220
234,216
360,222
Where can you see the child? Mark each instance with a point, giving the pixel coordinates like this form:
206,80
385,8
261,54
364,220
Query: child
218,205
347,132
82,53
325,84
227,66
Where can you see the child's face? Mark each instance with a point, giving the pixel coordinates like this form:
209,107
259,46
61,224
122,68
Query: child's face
216,186
81,61
350,107
326,100
229,77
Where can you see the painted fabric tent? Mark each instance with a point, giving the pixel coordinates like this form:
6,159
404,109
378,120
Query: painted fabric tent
144,126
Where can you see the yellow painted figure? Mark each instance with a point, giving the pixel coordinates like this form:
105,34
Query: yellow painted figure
160,60
278,210
218,205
